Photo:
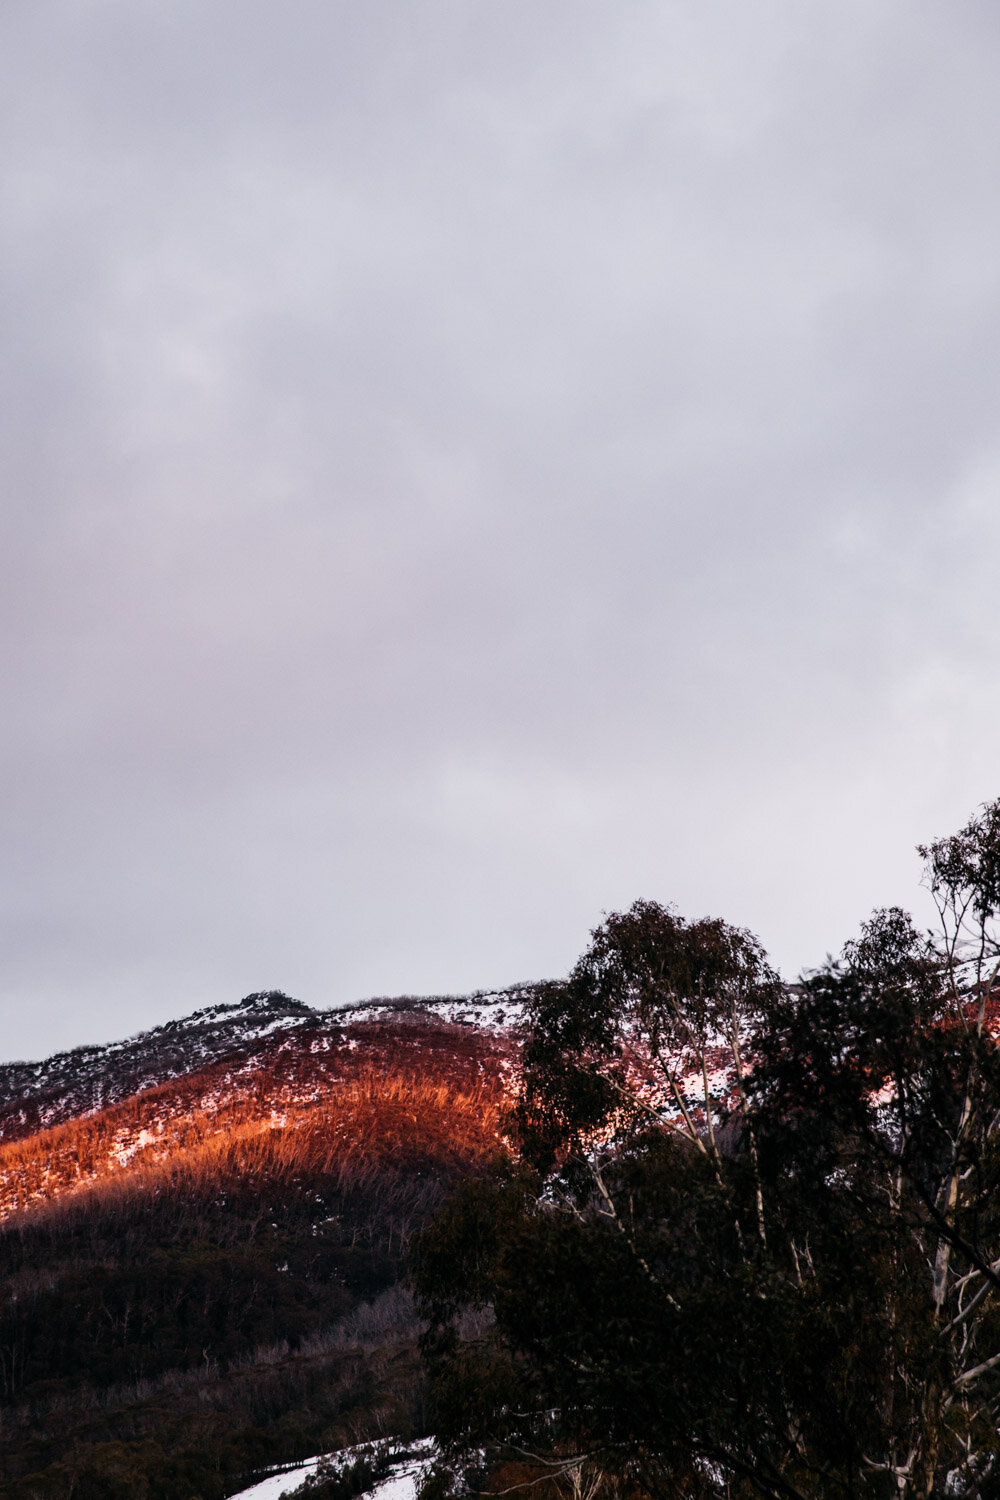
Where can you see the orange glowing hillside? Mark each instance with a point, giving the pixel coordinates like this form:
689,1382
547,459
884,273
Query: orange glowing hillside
204,1232
399,1086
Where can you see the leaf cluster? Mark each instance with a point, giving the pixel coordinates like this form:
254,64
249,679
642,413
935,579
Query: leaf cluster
750,1243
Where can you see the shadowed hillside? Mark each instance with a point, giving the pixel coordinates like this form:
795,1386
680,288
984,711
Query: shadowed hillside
201,1278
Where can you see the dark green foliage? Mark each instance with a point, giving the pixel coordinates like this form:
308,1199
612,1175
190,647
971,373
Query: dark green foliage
650,989
787,1286
190,1284
657,1351
173,1352
343,1476
210,1441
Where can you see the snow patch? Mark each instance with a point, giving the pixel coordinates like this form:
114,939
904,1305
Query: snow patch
401,1484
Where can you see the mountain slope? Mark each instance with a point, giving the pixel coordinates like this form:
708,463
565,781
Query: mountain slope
34,1095
201,1244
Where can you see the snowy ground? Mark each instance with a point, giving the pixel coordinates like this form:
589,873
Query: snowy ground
401,1484
278,1484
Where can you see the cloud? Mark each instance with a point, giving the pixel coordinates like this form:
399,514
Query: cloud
467,468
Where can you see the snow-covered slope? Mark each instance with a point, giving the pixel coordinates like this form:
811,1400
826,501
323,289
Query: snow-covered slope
37,1095
401,1483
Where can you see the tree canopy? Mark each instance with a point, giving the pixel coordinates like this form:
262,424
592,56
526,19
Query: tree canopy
747,1241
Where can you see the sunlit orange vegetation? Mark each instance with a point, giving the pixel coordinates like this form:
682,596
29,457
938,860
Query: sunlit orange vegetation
333,1102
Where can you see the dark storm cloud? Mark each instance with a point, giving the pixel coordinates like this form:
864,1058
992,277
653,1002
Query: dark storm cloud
465,467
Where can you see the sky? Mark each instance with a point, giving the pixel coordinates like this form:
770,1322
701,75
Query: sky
468,466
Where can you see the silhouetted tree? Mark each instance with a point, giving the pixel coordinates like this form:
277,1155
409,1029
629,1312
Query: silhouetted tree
751,1241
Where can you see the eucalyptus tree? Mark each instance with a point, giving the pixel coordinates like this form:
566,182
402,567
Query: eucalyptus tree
748,1239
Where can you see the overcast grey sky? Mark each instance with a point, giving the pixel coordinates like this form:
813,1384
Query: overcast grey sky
466,466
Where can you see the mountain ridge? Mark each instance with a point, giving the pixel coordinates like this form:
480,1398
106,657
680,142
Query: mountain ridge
37,1095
